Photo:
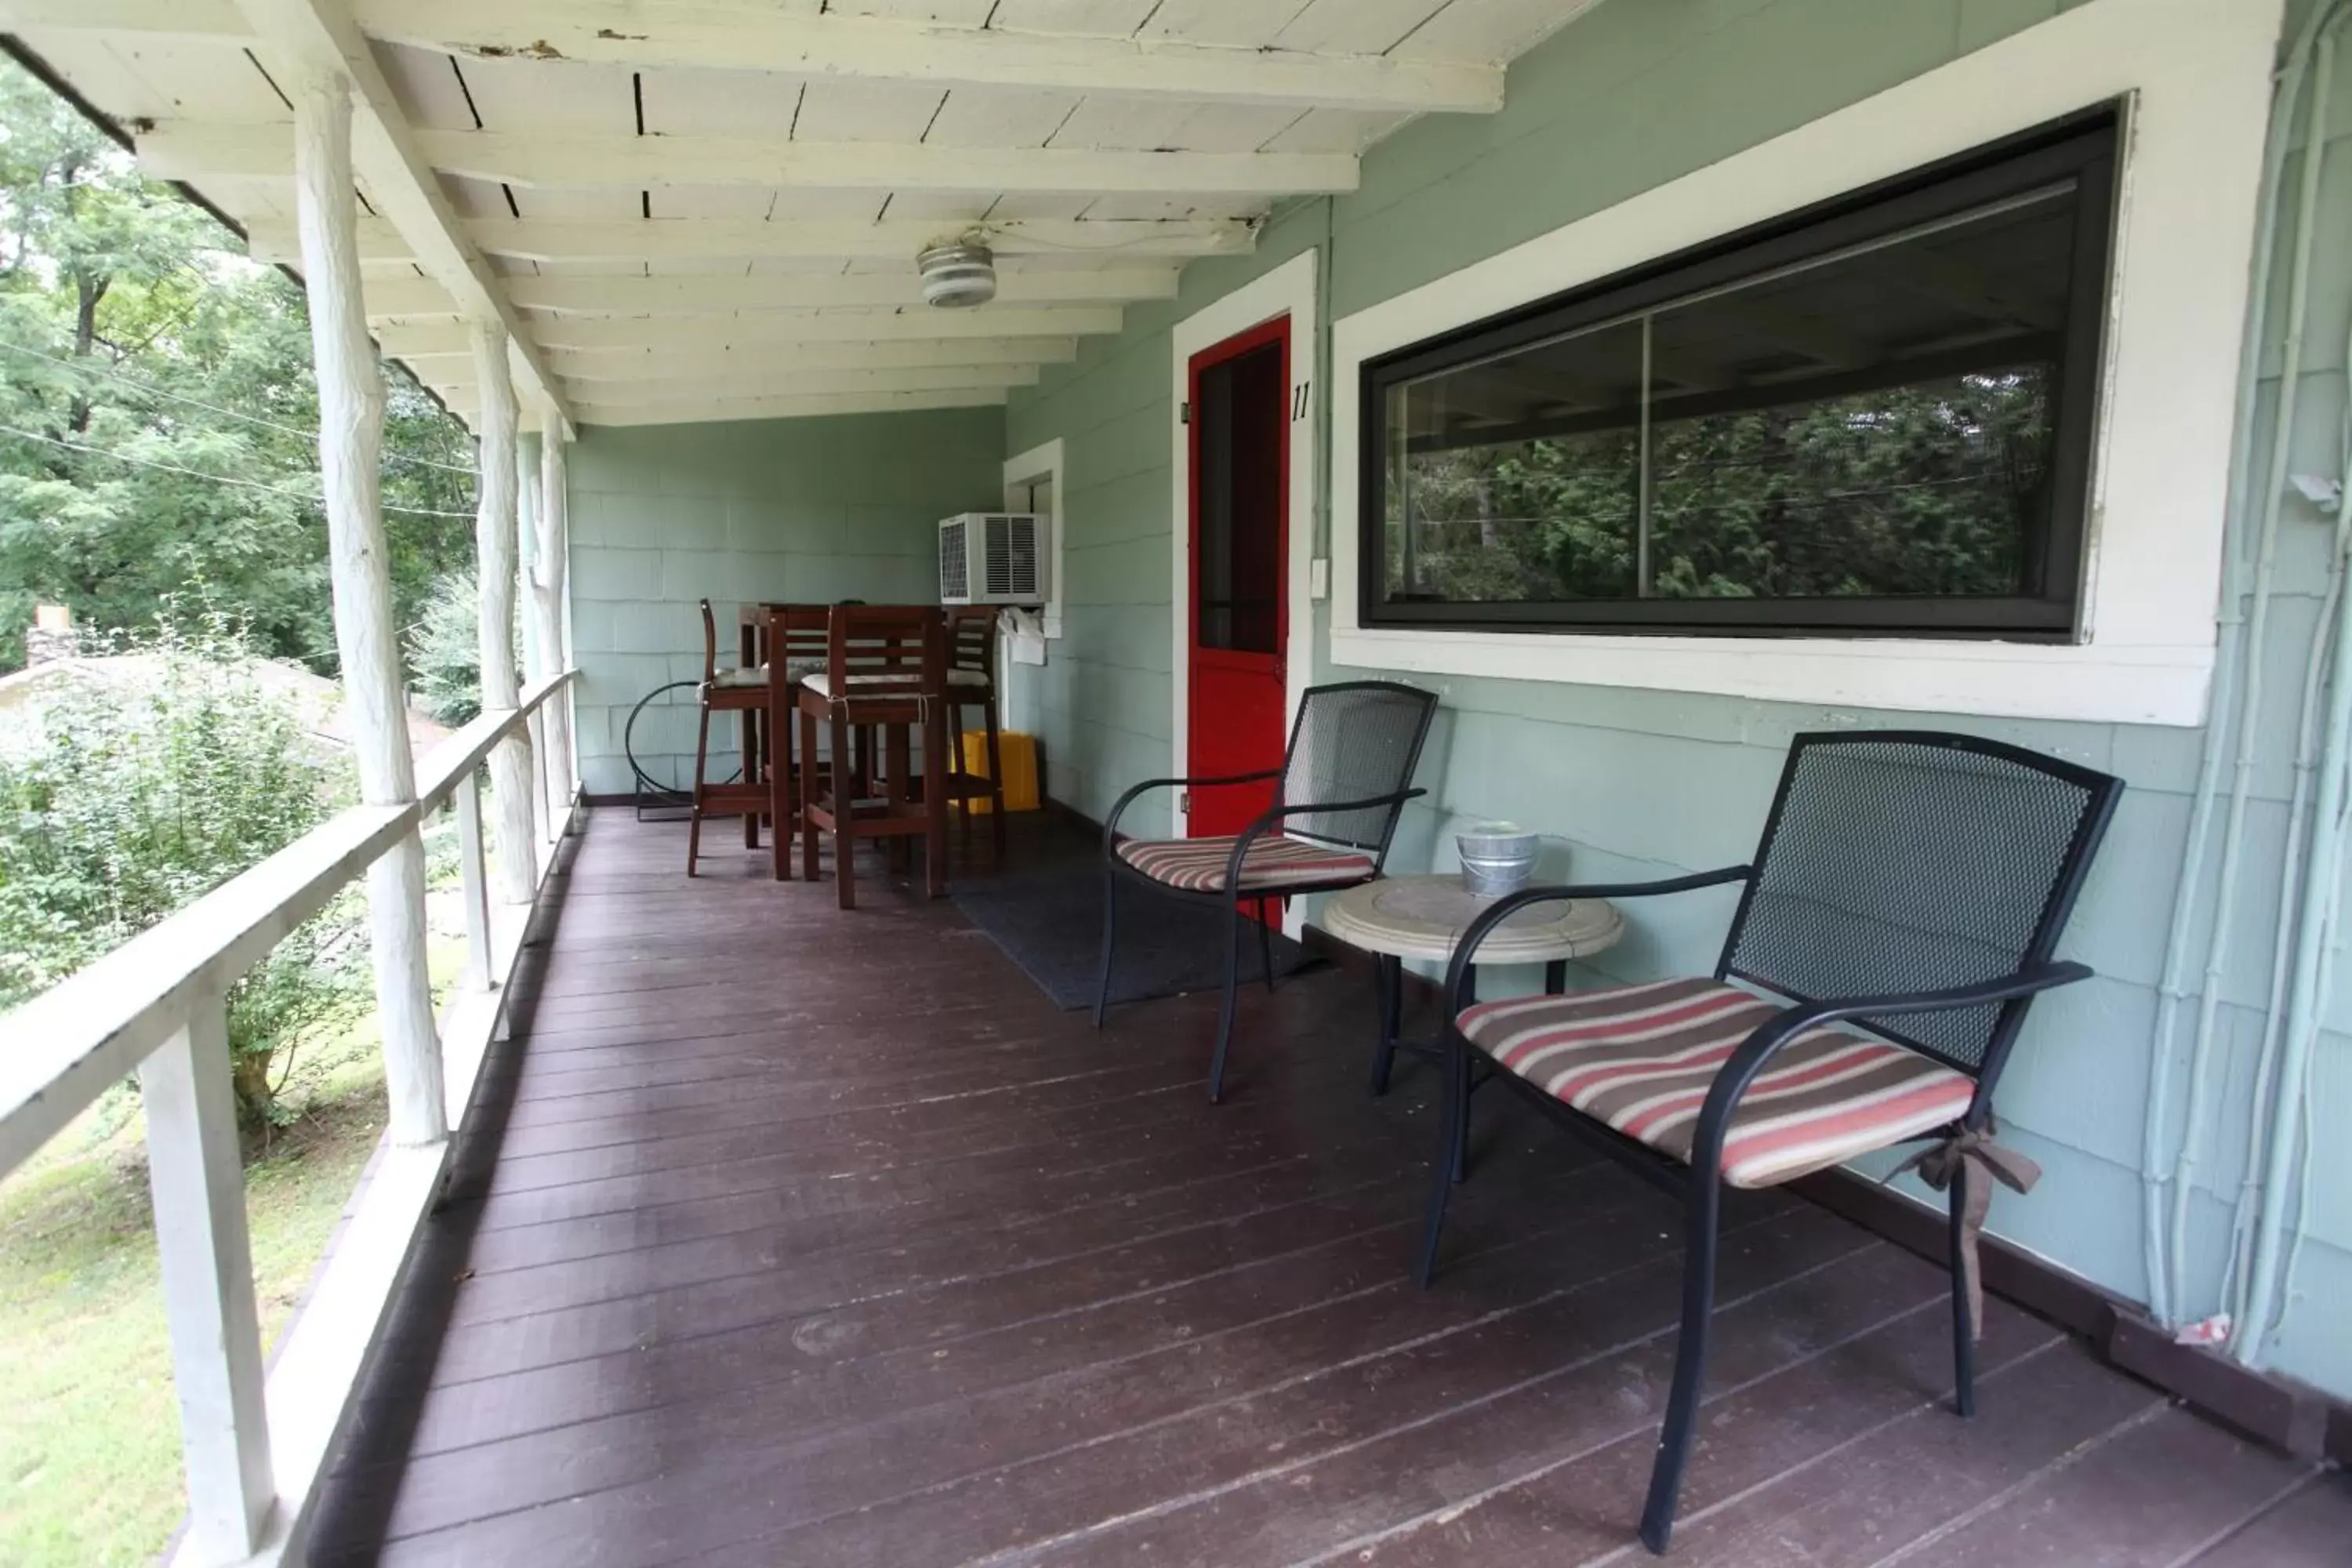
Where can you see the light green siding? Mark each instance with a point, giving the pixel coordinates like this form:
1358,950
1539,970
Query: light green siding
1639,783
807,509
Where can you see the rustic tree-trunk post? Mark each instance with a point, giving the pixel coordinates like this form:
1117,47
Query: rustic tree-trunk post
494,551
549,567
350,442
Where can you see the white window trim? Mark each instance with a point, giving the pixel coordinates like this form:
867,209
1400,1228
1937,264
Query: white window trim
2198,74
1041,464
1288,290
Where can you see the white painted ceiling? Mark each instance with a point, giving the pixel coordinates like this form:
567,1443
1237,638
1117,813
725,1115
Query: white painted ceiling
708,209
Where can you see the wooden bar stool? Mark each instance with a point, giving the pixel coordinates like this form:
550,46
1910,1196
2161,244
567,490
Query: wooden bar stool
886,666
748,690
972,683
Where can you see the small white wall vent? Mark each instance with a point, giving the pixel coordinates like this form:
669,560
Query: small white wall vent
958,274
994,558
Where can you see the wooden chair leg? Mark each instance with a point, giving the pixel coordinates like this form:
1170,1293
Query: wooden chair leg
694,812
896,757
812,790
844,815
751,735
964,777
996,829
1690,1363
935,805
779,792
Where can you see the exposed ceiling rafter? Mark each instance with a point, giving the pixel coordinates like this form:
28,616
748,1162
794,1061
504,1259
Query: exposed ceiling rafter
191,149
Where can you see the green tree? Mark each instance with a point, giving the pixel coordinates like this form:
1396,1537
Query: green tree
158,415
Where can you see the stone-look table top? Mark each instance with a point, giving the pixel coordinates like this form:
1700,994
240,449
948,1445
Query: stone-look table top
1424,917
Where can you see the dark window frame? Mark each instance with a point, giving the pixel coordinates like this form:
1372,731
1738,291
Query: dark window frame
2086,147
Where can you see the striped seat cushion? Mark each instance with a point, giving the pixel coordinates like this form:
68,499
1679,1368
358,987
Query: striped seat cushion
1198,865
1641,1058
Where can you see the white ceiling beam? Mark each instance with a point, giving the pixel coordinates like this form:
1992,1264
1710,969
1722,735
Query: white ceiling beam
989,322
577,366
317,34
708,411
705,239
793,382
390,299
757,34
191,149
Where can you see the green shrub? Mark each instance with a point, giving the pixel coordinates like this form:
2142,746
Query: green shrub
125,801
445,649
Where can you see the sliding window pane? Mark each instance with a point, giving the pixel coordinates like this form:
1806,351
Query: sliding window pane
1880,425
1518,479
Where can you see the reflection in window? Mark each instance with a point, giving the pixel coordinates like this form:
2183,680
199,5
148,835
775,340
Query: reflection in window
1887,420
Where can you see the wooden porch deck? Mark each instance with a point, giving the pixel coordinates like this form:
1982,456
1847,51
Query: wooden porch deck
783,1236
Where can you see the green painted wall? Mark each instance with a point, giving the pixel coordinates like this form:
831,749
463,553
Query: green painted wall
810,510
1639,783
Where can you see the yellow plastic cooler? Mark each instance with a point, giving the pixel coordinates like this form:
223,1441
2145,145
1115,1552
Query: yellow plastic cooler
1017,754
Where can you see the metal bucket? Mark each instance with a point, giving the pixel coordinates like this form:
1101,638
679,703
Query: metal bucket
1497,858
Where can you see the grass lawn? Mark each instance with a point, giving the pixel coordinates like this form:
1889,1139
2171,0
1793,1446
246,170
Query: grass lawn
89,1437
89,1433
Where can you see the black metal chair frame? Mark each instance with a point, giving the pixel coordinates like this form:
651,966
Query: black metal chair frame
1702,1197
1233,894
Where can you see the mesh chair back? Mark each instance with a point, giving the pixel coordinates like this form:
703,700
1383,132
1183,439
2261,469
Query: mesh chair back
1354,741
1906,861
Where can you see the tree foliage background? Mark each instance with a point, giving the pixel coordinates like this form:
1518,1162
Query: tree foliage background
158,417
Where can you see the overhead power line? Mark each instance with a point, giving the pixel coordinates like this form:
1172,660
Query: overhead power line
151,390
291,494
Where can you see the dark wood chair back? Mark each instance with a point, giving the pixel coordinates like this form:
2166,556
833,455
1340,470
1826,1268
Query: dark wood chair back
972,641
885,651
710,648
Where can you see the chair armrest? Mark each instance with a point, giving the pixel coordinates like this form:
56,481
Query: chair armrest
1740,1068
1119,806
1250,834
1466,952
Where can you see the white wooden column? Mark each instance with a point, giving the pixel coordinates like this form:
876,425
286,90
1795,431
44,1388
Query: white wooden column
549,568
494,551
351,443
195,1173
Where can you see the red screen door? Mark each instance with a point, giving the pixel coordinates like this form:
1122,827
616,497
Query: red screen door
1240,441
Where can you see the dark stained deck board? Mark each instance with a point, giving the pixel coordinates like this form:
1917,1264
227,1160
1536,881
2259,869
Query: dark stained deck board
783,1236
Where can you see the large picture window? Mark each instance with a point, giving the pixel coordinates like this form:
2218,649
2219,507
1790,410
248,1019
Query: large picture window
1872,418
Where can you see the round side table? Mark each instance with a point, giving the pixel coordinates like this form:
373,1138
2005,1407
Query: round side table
1399,918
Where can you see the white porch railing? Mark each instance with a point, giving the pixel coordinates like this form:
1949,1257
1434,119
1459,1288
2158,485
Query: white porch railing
256,1446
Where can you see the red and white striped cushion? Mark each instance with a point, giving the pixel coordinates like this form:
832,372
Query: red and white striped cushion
1642,1058
1198,865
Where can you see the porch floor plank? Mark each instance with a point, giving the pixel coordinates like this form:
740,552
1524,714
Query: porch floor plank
782,1235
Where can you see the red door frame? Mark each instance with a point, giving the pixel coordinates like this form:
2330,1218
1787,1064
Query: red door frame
1274,666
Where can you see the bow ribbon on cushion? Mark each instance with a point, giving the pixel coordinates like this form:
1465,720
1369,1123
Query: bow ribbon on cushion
1972,1159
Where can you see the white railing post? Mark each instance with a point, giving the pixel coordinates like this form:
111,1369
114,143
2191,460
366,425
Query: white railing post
350,446
511,766
473,877
196,1176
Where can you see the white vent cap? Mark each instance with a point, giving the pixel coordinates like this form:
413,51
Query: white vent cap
958,274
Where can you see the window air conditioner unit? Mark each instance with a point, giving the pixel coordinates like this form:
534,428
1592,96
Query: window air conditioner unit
993,558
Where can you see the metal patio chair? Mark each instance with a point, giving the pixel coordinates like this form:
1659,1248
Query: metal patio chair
1342,785
1909,884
